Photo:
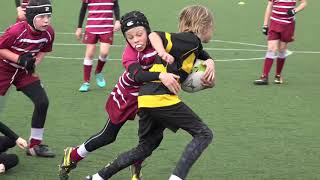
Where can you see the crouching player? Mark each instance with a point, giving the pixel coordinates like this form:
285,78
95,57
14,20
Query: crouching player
159,108
122,105
22,47
8,161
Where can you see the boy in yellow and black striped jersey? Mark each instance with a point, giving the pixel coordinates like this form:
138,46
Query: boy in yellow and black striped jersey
159,108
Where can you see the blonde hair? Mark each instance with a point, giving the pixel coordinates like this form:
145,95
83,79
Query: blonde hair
195,18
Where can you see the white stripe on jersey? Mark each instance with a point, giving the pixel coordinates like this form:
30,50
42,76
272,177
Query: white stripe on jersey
101,11
278,12
286,7
100,4
149,54
98,26
38,41
94,19
20,35
280,20
49,35
23,50
120,93
135,94
128,77
105,32
114,98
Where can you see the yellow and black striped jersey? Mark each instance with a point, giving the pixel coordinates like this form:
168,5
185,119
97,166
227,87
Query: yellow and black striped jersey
185,47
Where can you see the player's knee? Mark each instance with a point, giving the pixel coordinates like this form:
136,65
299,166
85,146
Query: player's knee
207,135
9,160
42,103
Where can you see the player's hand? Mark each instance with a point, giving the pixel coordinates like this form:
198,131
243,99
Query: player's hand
78,34
291,12
116,26
208,77
166,57
265,30
21,143
170,81
21,14
2,168
27,60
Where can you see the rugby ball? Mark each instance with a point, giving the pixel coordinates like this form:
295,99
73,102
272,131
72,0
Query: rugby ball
193,82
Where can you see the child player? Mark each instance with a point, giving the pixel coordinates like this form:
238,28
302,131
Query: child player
22,47
100,26
159,108
279,25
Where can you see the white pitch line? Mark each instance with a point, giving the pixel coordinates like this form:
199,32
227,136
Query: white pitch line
242,43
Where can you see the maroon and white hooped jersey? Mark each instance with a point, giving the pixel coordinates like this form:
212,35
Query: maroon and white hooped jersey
20,38
279,11
122,103
100,16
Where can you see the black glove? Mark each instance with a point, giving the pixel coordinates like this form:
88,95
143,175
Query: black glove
291,12
27,61
265,30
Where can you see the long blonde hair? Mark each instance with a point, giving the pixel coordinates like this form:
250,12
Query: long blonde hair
195,18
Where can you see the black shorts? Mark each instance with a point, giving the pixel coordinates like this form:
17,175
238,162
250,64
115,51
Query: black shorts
155,120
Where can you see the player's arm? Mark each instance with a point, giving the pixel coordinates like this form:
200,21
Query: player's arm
158,45
9,55
20,12
302,5
82,15
267,13
208,78
8,132
116,12
39,57
22,143
168,79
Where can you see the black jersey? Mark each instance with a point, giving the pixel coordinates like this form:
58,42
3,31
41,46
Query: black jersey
185,47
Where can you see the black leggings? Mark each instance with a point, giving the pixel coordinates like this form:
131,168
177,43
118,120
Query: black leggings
106,136
38,96
8,160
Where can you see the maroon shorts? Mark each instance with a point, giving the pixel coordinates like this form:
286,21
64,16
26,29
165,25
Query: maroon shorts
282,32
90,38
11,75
121,108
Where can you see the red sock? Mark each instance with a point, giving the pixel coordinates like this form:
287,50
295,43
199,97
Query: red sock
75,156
99,66
86,72
280,64
267,66
34,142
138,162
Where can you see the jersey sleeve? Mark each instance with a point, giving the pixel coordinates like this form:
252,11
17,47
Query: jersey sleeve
8,132
129,56
48,46
7,39
179,44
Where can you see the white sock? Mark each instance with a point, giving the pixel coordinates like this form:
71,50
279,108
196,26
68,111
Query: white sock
97,177
82,151
174,177
37,133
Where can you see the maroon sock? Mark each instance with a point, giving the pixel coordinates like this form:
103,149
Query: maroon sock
138,162
86,72
267,66
34,142
280,64
99,66
75,156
